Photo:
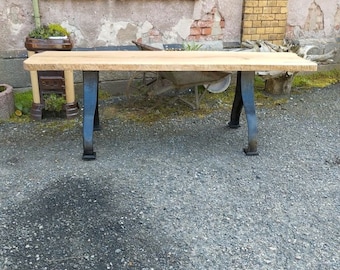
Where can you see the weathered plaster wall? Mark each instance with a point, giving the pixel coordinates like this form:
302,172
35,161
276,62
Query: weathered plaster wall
116,22
315,22
313,19
95,23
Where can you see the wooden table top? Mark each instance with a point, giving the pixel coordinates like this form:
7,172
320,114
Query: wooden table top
168,61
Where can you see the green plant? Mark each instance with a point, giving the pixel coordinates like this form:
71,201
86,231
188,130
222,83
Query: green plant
46,31
23,101
192,47
317,79
54,102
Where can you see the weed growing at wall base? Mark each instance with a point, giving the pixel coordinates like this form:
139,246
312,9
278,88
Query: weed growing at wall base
23,101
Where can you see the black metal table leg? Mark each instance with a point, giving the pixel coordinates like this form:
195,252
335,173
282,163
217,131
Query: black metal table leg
247,91
90,80
96,115
244,97
237,105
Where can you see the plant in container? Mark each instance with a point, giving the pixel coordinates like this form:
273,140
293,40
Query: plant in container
51,37
51,31
54,103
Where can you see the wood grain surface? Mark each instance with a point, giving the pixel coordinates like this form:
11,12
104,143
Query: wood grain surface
168,61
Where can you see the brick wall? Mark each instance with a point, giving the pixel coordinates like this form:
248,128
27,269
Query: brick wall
209,27
264,20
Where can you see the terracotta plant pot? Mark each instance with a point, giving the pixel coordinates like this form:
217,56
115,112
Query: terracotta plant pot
6,101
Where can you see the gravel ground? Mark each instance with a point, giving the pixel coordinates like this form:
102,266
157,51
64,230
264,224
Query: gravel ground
178,194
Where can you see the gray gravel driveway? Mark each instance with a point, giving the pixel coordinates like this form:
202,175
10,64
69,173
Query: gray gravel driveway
178,194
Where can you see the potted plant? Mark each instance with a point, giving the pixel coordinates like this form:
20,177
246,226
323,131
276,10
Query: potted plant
54,104
51,37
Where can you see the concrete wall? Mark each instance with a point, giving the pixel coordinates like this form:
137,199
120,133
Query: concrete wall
111,23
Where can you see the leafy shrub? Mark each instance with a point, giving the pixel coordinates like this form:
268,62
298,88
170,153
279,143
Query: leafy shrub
46,31
54,102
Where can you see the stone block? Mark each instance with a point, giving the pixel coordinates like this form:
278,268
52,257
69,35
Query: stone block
6,101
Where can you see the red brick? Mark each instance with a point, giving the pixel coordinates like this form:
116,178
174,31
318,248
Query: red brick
206,31
194,31
205,24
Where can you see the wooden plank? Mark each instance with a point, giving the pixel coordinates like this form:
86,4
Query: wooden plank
168,61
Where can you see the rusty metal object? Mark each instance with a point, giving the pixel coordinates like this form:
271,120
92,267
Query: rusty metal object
213,81
36,111
71,109
51,82
182,79
36,45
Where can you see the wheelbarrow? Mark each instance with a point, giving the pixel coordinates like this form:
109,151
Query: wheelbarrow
212,81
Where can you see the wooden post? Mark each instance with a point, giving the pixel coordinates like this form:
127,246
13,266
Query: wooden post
69,86
34,82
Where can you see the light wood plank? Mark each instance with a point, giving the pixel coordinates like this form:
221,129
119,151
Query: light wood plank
168,61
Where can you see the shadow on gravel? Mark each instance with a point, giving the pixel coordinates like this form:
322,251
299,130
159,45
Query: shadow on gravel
333,161
81,224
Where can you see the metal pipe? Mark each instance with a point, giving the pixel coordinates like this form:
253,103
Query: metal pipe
36,13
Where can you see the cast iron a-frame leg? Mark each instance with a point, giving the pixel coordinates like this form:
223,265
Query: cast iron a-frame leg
91,116
237,104
244,97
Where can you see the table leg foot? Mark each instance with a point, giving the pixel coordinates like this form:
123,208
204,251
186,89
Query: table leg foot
251,150
36,111
89,156
233,125
72,110
250,153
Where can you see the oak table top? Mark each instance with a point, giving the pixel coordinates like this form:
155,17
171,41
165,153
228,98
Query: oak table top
168,61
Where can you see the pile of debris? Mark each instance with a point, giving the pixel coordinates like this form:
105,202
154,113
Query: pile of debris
278,82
